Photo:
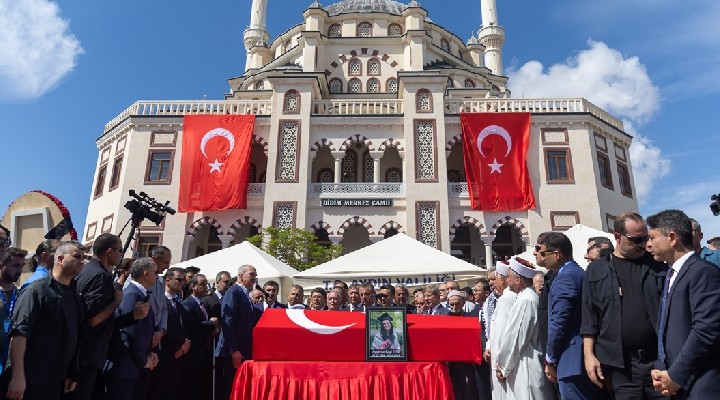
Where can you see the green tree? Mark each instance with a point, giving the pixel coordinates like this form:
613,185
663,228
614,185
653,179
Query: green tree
296,247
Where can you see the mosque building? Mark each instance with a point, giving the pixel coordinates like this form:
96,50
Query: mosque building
358,137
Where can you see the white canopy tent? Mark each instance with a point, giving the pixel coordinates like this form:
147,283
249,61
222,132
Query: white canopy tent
579,235
232,258
396,260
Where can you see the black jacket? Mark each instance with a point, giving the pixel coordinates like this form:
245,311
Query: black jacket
601,304
40,317
176,334
543,306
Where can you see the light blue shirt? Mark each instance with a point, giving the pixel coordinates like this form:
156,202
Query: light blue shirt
711,256
40,272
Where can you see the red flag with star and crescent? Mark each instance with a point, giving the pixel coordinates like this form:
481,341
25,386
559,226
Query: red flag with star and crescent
215,162
495,147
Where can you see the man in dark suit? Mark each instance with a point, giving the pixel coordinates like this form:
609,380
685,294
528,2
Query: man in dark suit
212,301
239,317
175,344
45,331
130,346
198,366
564,355
271,289
689,333
432,301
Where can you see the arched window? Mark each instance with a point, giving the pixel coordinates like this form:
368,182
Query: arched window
335,85
390,233
393,175
373,85
450,83
354,67
260,85
444,44
469,83
392,85
349,166
326,175
423,100
369,167
373,67
364,29
252,173
354,86
335,31
291,104
395,30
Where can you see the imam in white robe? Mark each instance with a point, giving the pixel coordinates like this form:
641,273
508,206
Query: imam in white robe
497,326
520,357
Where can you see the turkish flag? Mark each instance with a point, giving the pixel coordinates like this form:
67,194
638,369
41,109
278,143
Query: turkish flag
305,335
215,162
495,146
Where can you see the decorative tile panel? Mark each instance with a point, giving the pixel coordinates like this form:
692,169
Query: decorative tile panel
289,138
284,215
427,217
425,157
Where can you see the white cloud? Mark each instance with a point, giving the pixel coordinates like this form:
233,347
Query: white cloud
694,199
601,74
616,83
648,163
37,48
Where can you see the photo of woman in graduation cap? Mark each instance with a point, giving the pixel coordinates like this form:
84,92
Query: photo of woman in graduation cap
386,339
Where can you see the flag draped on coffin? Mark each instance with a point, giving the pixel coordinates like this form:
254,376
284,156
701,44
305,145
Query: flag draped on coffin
495,146
215,162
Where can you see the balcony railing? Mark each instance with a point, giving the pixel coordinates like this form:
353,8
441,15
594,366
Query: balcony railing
357,107
456,106
358,189
256,190
458,189
192,107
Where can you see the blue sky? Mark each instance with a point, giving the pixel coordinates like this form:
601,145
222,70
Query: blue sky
68,67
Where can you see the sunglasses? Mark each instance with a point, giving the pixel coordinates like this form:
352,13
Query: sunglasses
637,239
381,296
543,252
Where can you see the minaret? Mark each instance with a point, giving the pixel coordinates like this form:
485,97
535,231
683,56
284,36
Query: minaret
492,36
255,35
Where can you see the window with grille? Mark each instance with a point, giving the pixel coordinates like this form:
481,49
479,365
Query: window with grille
364,29
445,45
394,30
335,31
326,175
354,67
99,185
393,175
335,86
349,166
374,86
116,170
292,101
354,86
373,67
369,167
423,101
392,85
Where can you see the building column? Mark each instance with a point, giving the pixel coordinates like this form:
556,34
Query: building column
186,247
338,156
225,239
335,239
489,252
376,156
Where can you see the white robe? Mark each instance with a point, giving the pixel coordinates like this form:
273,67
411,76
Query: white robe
497,326
520,355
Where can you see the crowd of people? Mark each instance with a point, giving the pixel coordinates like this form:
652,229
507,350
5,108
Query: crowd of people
638,323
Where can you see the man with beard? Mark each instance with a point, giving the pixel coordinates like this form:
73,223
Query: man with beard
11,266
505,300
543,303
621,300
519,350
45,331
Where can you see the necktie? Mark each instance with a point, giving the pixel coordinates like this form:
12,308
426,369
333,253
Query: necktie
202,308
661,320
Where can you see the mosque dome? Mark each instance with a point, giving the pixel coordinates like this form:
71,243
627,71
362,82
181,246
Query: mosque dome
365,6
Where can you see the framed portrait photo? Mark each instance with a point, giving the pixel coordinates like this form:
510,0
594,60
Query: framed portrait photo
386,334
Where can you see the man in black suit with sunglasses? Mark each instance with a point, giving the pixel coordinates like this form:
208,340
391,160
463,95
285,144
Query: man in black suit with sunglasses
621,301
